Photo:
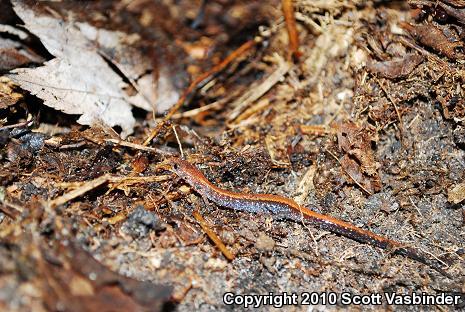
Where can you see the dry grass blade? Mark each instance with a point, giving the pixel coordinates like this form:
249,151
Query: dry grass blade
288,11
116,182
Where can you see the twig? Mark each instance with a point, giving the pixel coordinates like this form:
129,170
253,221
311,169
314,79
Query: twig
288,12
72,146
415,206
134,180
425,52
434,256
138,146
316,250
195,84
114,180
27,122
10,209
196,111
86,187
319,130
121,182
213,236
261,105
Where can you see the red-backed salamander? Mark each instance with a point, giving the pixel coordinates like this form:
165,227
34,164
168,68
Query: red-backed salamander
285,208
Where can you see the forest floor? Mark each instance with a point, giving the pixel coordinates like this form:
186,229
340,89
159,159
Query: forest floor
366,124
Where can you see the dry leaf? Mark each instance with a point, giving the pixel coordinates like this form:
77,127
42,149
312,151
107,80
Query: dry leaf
80,81
359,160
13,53
396,68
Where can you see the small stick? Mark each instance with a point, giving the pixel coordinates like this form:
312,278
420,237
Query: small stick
196,111
119,182
213,236
288,12
256,92
29,121
316,129
72,146
89,185
86,187
138,146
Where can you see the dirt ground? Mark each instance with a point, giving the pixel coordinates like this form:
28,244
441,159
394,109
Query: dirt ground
366,124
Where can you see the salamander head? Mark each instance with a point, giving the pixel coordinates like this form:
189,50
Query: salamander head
183,168
190,174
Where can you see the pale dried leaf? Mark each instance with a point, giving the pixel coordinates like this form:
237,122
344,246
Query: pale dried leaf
117,47
79,80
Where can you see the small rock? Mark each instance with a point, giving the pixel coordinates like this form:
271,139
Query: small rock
264,242
30,189
32,141
228,237
459,136
140,222
268,263
215,264
456,194
247,234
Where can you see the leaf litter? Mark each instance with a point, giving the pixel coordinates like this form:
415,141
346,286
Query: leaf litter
366,125
80,81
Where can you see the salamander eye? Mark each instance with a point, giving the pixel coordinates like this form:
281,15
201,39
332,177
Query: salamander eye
175,166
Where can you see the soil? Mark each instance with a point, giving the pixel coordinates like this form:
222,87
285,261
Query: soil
366,125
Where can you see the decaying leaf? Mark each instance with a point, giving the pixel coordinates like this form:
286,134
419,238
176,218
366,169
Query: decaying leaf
434,38
116,46
456,3
396,68
453,8
87,285
14,54
80,80
359,161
